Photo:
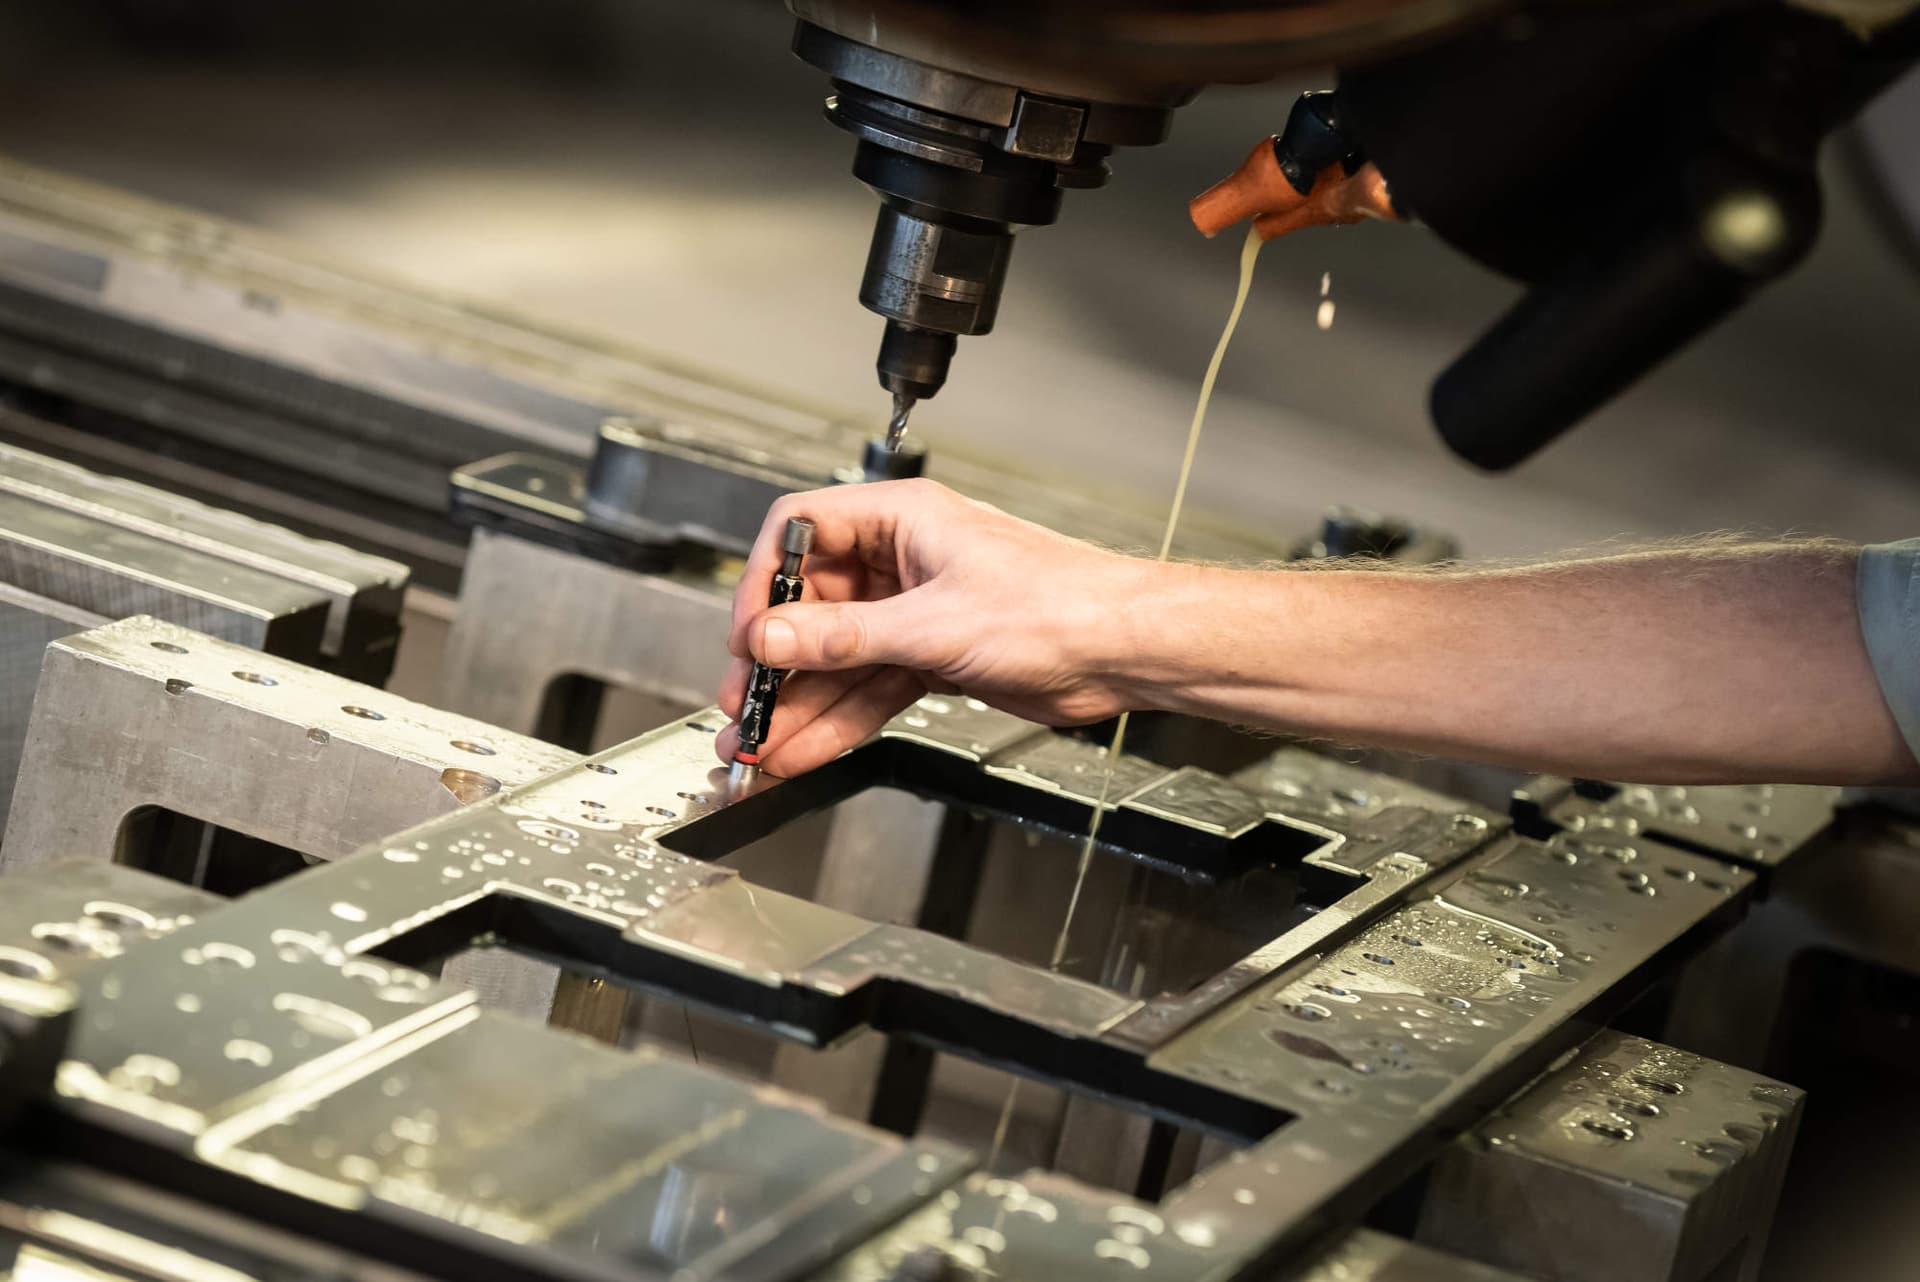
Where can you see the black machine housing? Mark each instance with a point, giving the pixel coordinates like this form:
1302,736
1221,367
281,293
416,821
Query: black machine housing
1643,167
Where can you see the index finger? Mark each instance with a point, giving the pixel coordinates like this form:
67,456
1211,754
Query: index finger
858,521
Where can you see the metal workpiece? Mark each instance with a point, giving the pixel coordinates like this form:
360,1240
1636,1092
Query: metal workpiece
1455,995
66,1222
78,549
333,1074
1367,1256
110,570
1186,819
1632,1162
633,1157
306,1066
144,713
1759,825
655,484
363,592
666,482
663,635
28,623
1333,791
62,922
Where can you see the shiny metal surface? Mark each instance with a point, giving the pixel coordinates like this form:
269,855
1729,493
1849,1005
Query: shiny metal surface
1359,1043
1757,824
27,623
659,634
78,549
363,592
1633,1162
143,713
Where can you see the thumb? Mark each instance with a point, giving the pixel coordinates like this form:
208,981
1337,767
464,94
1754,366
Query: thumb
821,636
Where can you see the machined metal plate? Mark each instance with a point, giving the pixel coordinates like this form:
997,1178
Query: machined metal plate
1349,1057
60,923
1754,824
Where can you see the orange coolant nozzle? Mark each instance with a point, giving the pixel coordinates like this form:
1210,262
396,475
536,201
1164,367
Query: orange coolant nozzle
1260,190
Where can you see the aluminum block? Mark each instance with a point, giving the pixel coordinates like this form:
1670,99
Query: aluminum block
78,549
1633,1162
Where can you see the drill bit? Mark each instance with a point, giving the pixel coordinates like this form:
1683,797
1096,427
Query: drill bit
903,403
763,683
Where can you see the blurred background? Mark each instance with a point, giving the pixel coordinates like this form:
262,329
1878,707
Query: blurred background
660,172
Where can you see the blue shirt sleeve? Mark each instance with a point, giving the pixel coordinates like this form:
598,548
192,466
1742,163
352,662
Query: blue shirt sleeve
1887,587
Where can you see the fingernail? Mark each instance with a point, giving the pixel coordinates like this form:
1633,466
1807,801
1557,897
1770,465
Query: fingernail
778,644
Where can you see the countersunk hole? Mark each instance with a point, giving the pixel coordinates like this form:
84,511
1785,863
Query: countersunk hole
694,797
168,646
599,769
662,811
1656,1084
1607,1129
593,805
119,916
365,714
176,686
254,678
22,964
469,745
1378,958
468,786
316,735
702,727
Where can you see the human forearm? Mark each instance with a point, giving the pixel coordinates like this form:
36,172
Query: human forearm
1701,664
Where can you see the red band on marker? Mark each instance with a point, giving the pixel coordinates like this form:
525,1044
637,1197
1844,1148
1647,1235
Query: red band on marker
747,758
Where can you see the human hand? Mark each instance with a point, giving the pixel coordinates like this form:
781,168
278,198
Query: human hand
911,588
